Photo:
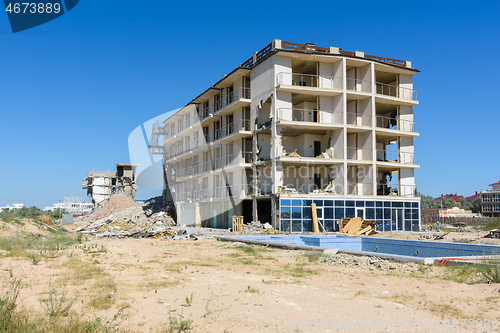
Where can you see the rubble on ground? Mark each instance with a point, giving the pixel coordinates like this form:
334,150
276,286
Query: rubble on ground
151,219
113,204
257,227
370,263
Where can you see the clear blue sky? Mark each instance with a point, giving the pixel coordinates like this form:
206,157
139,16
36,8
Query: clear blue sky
73,89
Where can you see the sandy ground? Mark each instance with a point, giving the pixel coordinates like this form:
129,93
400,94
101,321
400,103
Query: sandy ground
227,287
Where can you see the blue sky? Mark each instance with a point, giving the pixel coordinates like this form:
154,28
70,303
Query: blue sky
73,89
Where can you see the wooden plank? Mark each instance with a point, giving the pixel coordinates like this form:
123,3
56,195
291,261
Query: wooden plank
362,231
353,226
315,218
321,224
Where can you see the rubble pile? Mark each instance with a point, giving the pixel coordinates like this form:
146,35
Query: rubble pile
327,154
256,227
111,205
150,219
293,154
371,263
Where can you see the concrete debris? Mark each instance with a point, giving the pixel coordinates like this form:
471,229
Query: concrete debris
113,204
253,227
374,263
331,188
327,154
293,154
150,219
288,190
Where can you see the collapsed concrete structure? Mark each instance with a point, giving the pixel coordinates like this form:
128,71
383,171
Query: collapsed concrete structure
102,184
294,125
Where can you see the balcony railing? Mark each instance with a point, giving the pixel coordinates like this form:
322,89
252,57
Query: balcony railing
218,163
397,190
206,112
359,119
232,97
397,124
236,190
248,157
220,192
359,85
396,157
309,115
234,127
359,154
309,80
237,94
354,188
395,91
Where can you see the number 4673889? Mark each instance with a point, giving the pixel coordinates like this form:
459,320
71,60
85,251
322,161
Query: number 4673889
33,8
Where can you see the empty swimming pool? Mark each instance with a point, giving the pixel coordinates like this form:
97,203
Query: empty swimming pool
426,252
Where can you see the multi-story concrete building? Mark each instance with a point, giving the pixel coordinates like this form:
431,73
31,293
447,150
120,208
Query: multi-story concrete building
490,201
102,184
293,125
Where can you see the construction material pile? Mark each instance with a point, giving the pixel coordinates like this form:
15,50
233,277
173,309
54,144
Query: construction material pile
113,204
357,226
150,219
256,227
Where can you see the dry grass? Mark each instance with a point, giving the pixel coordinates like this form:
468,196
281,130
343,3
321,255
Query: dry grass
82,270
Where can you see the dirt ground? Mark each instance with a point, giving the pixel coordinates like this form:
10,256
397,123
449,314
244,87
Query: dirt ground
140,285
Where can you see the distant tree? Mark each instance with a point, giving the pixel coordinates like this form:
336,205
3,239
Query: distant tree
475,205
427,201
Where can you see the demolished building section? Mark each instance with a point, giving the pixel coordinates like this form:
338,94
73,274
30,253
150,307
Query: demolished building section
293,125
102,184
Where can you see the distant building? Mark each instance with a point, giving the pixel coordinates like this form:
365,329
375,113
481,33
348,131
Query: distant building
447,212
9,208
490,201
102,184
454,197
473,197
72,205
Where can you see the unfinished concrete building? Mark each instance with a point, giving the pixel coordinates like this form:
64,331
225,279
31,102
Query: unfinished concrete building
490,201
102,184
293,125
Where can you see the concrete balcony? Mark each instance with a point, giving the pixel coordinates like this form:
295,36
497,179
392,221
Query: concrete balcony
309,118
396,157
233,101
234,159
356,85
396,95
321,85
355,188
358,120
397,190
359,155
234,130
389,125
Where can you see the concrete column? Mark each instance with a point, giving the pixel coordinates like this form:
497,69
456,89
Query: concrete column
374,124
